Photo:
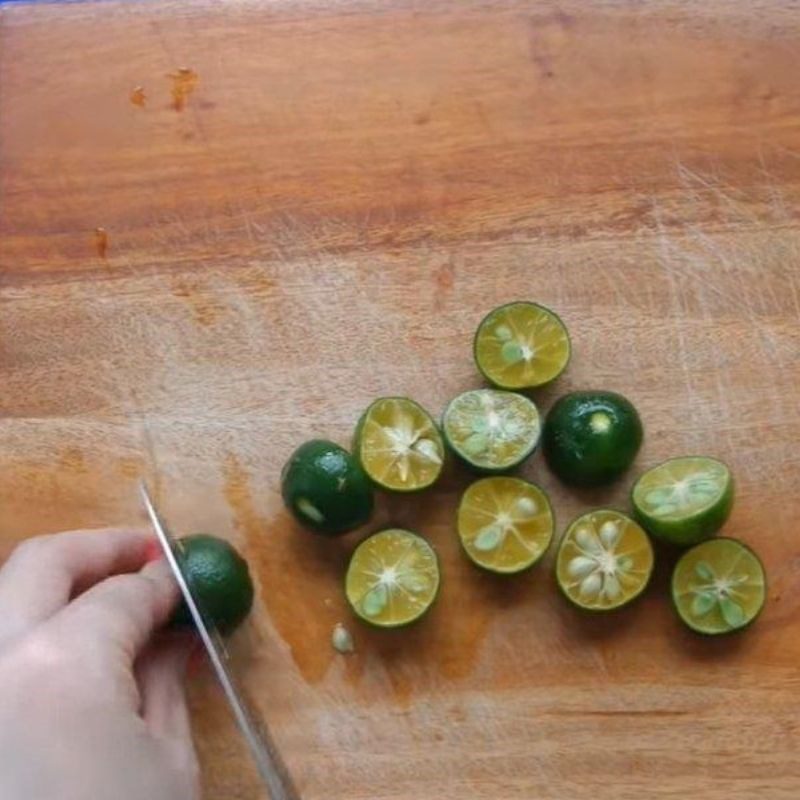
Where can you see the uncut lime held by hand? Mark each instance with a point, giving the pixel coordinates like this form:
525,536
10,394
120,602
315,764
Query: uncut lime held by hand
505,524
521,346
491,430
604,561
590,438
326,489
684,500
392,579
219,578
718,587
399,446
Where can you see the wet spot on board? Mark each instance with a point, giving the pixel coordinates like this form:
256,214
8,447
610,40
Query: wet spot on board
301,578
205,308
448,640
297,572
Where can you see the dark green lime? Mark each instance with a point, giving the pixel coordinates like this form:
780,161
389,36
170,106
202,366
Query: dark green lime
591,437
326,489
219,578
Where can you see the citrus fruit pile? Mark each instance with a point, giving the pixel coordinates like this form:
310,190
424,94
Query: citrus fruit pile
506,524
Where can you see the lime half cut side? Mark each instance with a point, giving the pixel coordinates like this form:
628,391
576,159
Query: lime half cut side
505,524
392,579
718,587
684,500
492,430
399,445
604,561
521,346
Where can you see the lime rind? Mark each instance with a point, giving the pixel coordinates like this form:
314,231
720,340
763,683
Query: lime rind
505,524
591,437
492,430
684,500
393,578
405,456
325,489
719,587
518,355
604,562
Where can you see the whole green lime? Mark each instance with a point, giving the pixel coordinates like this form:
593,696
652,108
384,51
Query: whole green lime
590,438
326,489
219,578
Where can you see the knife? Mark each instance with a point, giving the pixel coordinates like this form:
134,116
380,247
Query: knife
265,754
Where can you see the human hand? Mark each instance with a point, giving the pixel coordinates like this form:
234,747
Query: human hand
90,707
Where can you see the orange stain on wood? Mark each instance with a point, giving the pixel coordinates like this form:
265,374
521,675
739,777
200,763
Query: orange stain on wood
72,460
130,467
138,97
101,242
205,308
184,82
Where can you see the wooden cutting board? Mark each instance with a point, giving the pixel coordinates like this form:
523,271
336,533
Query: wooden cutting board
318,211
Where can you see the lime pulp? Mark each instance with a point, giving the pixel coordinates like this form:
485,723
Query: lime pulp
505,524
718,586
521,345
399,446
604,562
684,500
392,578
491,430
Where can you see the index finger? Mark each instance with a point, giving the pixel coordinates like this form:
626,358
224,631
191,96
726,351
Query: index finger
44,573
120,615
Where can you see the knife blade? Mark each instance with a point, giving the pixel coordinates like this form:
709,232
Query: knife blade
267,759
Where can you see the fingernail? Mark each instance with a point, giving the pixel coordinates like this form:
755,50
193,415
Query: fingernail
153,551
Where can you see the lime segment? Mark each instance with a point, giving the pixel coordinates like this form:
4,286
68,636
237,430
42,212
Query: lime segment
684,500
505,524
392,579
399,446
492,430
718,586
521,346
604,561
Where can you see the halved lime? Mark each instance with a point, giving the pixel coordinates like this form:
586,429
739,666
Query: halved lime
392,579
399,445
684,500
719,586
604,561
491,430
521,346
505,524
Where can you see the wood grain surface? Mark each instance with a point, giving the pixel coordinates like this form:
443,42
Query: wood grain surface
321,215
